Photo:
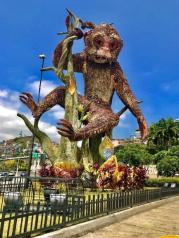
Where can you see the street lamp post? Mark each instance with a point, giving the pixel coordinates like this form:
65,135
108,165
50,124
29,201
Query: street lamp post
42,57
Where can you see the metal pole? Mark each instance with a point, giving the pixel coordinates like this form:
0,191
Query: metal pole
42,57
17,169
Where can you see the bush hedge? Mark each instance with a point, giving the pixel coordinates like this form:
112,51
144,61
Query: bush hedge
159,182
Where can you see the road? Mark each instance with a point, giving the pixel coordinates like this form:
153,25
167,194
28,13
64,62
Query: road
151,224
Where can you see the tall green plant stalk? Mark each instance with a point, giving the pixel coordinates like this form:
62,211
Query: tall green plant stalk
47,145
67,150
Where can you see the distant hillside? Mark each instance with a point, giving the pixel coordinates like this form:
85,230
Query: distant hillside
15,147
18,140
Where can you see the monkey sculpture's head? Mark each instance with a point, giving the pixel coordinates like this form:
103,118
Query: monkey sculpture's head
103,44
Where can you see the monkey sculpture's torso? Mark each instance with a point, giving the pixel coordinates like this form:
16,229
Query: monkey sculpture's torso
98,81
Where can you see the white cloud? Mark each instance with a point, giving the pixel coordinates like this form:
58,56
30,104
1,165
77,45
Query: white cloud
46,87
57,112
11,125
173,86
124,115
3,93
121,124
50,130
122,121
9,98
32,78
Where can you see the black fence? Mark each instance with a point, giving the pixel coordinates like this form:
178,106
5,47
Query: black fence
31,206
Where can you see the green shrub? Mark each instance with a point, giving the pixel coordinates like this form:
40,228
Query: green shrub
172,152
9,165
133,155
160,155
159,182
23,165
168,166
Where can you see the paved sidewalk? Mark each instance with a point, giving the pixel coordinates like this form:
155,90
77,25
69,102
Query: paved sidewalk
151,224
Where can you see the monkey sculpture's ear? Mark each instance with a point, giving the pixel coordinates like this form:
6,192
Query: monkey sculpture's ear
87,24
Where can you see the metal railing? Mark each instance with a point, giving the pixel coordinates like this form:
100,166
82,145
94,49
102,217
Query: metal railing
31,206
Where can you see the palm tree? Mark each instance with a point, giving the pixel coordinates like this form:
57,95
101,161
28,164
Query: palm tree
163,135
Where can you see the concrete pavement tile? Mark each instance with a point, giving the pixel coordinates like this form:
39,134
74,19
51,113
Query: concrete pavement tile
151,224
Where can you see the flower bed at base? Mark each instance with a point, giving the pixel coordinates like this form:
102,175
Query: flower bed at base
110,175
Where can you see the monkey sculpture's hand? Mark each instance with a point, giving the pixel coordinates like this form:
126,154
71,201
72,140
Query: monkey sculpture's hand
76,32
143,127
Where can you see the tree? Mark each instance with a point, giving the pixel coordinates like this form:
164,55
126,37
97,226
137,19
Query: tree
9,165
163,135
173,152
134,155
160,155
168,166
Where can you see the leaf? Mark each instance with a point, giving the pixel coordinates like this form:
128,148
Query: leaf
109,170
67,21
76,22
117,175
85,117
72,86
75,18
80,108
63,58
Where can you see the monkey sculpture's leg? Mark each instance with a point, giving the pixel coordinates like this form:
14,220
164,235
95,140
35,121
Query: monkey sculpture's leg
100,119
57,96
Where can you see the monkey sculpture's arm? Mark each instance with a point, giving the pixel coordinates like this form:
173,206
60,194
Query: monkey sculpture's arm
124,92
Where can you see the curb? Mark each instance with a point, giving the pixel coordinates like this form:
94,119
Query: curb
95,224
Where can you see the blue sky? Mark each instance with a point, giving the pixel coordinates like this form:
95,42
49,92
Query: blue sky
149,58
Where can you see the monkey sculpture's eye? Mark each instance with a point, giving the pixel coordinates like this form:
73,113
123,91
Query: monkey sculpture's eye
98,41
114,44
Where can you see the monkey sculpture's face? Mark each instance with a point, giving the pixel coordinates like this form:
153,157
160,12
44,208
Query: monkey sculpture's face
103,44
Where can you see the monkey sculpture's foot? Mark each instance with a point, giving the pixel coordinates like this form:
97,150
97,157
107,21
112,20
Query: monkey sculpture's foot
27,99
